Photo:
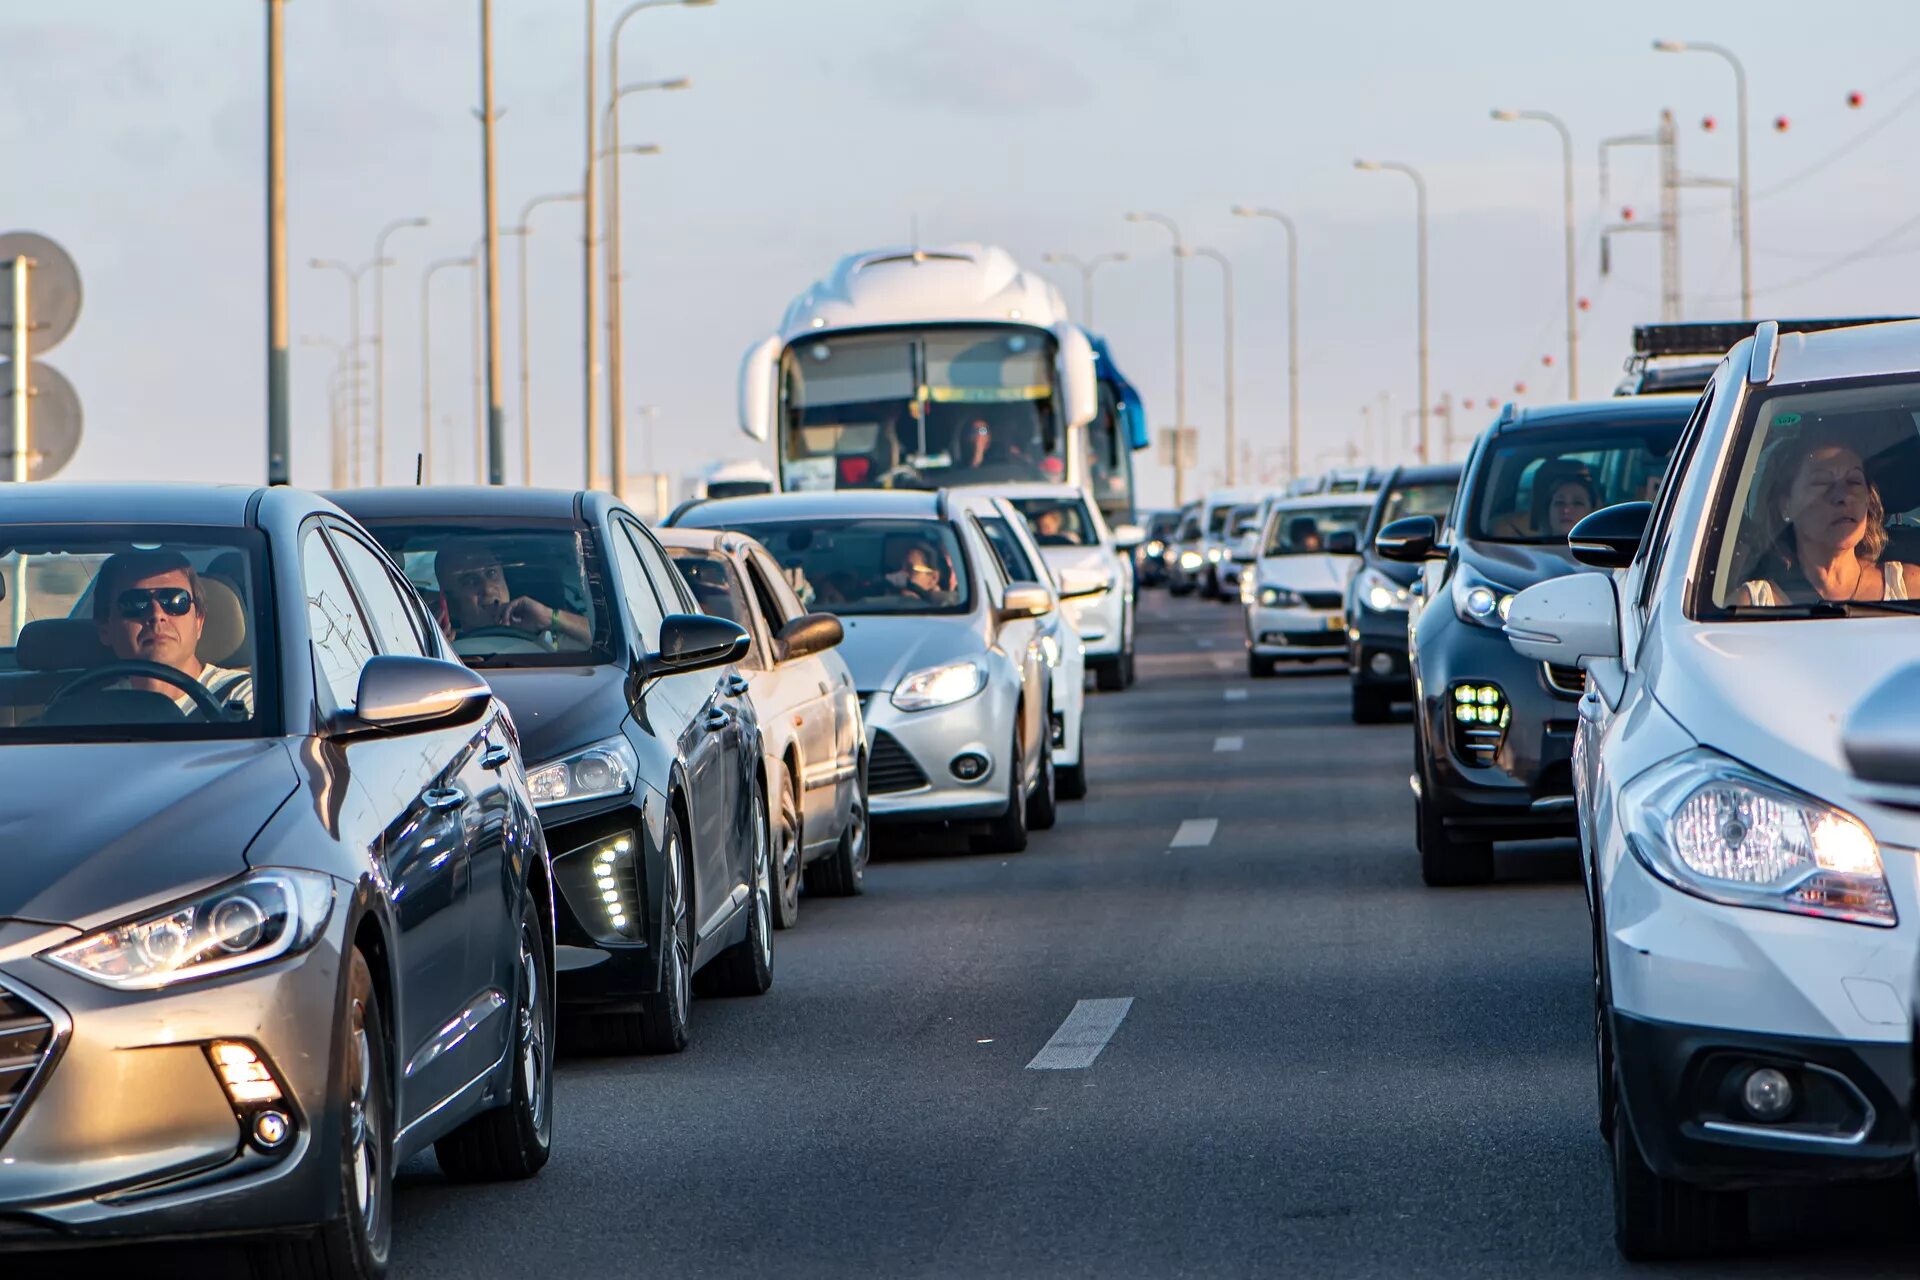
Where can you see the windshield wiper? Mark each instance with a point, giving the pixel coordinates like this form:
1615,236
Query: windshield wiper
1823,609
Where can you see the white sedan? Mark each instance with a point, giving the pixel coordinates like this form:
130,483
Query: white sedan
1295,592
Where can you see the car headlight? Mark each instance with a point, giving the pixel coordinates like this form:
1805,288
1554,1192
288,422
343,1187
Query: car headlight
261,916
1279,598
940,686
1051,649
1190,559
607,768
1712,827
1154,548
1479,601
1213,555
1380,593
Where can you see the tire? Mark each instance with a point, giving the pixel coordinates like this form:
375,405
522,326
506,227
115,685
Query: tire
1008,834
356,1245
1070,781
1446,862
1043,806
842,873
1126,668
1656,1217
746,967
1258,667
788,856
515,1141
1109,675
661,1026
1371,705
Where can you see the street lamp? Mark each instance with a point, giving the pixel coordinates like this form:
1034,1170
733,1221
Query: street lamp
353,275
1294,470
278,469
1420,288
1086,270
1573,284
380,343
426,360
1179,346
1226,295
526,374
1746,189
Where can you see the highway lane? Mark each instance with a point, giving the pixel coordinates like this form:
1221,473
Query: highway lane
1325,1069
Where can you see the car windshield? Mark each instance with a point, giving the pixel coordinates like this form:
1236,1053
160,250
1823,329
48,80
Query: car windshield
133,633
1822,512
869,566
1430,499
508,595
1300,531
712,582
1058,522
1534,486
1217,520
1161,526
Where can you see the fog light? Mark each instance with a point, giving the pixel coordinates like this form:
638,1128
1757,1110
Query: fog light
270,1129
969,766
608,861
1381,664
247,1079
1767,1094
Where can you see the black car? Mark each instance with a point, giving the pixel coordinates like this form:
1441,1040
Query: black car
1377,595
275,910
1493,732
643,752
1150,559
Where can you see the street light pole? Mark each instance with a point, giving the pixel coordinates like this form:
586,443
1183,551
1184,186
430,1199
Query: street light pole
380,344
1746,187
353,275
1179,347
1226,295
279,470
590,282
526,344
1572,232
490,195
426,362
1086,270
1420,216
1294,469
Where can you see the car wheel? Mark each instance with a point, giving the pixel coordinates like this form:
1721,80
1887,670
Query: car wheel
514,1141
1656,1217
1371,705
1109,676
1043,806
787,857
356,1245
1445,861
1258,667
1126,668
1070,780
842,873
662,1022
1008,834
746,967
1602,1042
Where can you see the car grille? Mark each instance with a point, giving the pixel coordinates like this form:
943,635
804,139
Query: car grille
1563,679
890,768
1305,639
26,1042
1321,599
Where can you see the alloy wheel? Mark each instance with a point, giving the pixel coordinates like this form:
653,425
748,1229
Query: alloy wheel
679,951
762,883
363,1129
533,1032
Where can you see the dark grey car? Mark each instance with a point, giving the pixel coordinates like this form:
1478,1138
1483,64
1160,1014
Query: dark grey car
275,909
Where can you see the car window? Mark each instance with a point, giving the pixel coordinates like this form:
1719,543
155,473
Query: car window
716,587
637,589
1006,549
1302,531
1654,547
395,619
992,576
1533,486
769,579
342,641
862,565
772,607
1058,522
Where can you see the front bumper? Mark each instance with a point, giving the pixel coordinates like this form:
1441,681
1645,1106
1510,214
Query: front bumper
126,1132
1377,651
1100,621
910,757
1296,632
597,965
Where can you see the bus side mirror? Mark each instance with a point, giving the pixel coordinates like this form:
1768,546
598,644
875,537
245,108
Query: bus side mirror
757,374
1079,387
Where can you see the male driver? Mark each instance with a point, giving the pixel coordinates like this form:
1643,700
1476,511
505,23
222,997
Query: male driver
149,606
473,586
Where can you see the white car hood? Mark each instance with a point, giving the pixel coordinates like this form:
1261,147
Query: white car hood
879,650
1068,559
1316,571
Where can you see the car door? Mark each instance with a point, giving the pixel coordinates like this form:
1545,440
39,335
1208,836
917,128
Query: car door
404,805
1018,638
804,698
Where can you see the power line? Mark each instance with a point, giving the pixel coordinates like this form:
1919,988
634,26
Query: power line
1844,149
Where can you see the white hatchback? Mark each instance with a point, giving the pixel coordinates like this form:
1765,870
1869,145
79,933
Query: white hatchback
1295,592
1749,851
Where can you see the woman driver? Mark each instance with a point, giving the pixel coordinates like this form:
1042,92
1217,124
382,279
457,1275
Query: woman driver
1831,530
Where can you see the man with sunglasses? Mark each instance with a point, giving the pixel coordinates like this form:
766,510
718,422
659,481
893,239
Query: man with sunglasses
149,606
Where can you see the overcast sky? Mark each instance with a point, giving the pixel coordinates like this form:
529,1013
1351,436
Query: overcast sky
132,133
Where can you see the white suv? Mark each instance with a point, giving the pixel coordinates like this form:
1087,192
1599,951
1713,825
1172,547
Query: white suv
1753,892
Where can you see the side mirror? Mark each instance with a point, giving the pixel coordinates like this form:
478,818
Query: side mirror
1078,584
1247,547
696,641
1566,621
759,372
1410,541
1024,600
809,633
1343,542
1079,386
1128,536
398,691
1610,537
1879,741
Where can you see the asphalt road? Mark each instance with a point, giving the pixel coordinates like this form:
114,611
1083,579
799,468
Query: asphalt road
1326,1068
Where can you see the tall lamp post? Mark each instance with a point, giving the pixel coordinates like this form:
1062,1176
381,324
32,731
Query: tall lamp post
353,276
1294,469
1572,232
1179,346
380,343
426,360
1420,217
1226,298
1086,269
337,465
496,429
1746,188
526,343
279,470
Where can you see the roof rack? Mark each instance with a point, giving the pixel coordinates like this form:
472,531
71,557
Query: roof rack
1717,337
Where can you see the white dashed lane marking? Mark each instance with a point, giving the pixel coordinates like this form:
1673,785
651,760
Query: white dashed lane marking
1195,833
1082,1036
1236,695
1229,744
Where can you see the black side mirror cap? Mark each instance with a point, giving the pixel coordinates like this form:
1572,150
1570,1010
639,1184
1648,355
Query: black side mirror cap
1410,541
696,641
809,633
1610,538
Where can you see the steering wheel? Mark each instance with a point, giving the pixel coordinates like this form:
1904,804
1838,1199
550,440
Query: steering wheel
134,668
905,471
531,641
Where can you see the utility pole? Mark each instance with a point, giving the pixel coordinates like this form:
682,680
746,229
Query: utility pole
380,264
496,411
590,285
1667,226
1179,349
279,470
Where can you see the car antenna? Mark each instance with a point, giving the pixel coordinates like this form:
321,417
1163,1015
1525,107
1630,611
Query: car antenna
419,468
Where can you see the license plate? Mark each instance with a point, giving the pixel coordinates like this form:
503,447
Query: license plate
1336,623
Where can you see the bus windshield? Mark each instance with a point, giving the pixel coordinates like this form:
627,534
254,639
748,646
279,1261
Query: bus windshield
920,408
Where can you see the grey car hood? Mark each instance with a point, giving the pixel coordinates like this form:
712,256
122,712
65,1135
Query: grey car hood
93,832
879,651
557,710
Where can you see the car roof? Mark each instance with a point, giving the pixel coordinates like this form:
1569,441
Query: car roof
1318,501
828,504
464,502
1234,497
1859,352
1615,410
1423,473
1025,489
53,502
693,539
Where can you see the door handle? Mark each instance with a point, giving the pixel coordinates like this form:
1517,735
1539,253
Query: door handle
496,757
718,720
735,686
823,688
440,799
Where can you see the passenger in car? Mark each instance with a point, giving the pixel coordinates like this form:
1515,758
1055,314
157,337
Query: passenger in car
1564,494
473,591
151,606
920,570
1828,529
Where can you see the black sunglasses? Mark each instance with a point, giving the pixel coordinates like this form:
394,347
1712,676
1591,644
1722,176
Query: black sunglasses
135,601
